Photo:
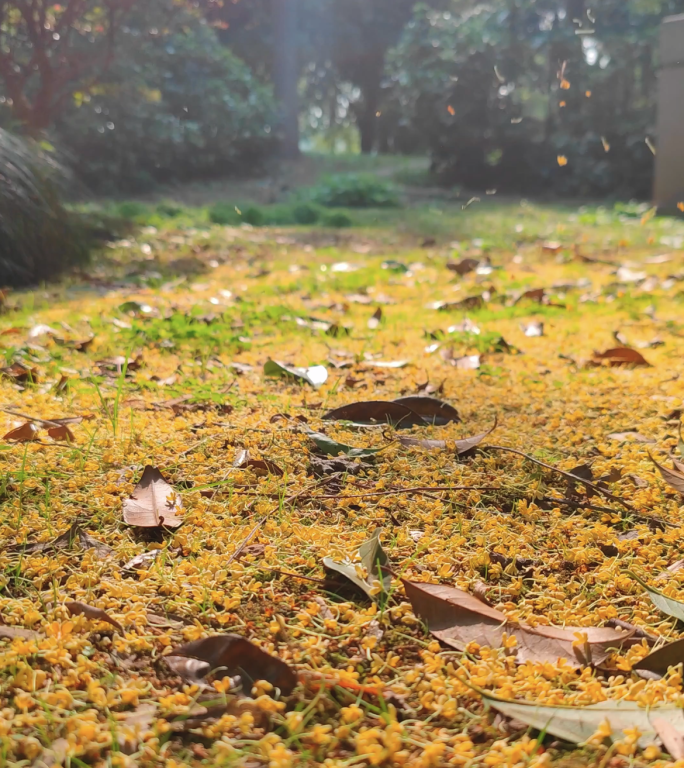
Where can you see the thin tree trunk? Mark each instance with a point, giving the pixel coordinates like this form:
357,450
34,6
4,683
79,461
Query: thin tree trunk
286,72
366,116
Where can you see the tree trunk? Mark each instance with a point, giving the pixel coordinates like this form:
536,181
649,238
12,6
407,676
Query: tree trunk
286,73
366,113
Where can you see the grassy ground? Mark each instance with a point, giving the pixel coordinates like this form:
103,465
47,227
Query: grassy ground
183,316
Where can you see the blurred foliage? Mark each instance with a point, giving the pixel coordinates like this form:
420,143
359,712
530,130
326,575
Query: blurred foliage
502,92
175,105
351,190
38,237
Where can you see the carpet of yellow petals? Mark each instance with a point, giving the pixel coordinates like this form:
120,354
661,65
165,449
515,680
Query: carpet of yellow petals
375,688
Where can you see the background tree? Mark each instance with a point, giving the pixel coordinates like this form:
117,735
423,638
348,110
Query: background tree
49,51
286,72
501,92
174,105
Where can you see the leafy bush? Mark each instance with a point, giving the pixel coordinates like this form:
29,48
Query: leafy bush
175,105
38,237
477,86
132,210
254,215
224,214
337,219
169,210
351,190
305,213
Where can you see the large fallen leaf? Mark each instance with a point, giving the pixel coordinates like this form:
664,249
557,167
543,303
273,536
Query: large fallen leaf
26,433
461,446
662,658
366,571
330,447
463,267
666,604
315,375
432,410
76,608
619,356
11,633
672,737
234,655
154,502
457,618
672,477
577,724
376,412
20,374
130,732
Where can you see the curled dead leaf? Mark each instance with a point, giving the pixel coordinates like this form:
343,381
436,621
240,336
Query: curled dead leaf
154,503
261,466
619,356
234,655
26,433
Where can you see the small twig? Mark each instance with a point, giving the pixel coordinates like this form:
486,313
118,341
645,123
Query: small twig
44,422
297,576
419,489
569,475
237,552
638,631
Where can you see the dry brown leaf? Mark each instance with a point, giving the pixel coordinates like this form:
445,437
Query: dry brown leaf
458,618
261,466
26,433
620,356
77,608
376,412
10,633
154,502
463,266
235,655
672,738
134,725
535,294
462,446
673,478
20,374
434,411
61,432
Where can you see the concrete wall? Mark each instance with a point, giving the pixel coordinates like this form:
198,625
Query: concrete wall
669,175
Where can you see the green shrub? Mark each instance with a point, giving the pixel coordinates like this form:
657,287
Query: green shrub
224,214
507,131
254,216
305,213
352,190
169,210
132,210
337,219
173,106
38,237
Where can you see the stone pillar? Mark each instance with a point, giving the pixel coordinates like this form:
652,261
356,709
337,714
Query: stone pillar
669,173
